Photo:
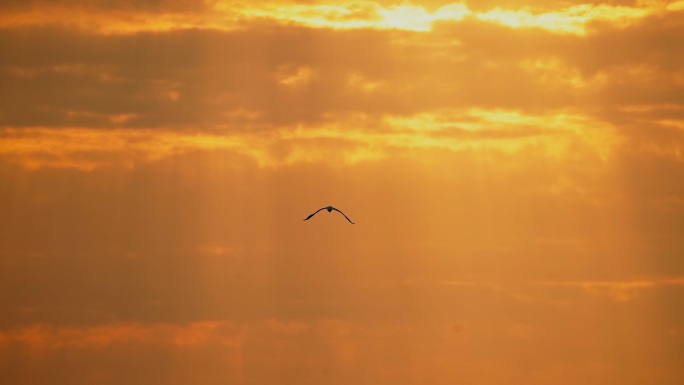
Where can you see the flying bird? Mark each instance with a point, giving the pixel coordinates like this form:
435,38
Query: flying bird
329,208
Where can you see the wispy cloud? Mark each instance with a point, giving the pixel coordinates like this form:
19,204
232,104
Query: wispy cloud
366,138
622,291
53,337
618,290
200,333
86,149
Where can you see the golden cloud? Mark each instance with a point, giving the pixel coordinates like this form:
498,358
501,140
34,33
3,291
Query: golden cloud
200,333
230,15
345,139
621,291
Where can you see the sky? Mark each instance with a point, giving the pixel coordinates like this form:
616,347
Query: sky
515,170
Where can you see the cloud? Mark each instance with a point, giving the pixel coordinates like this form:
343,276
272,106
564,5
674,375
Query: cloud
50,337
545,291
336,348
86,149
208,79
295,77
92,92
621,291
226,15
346,139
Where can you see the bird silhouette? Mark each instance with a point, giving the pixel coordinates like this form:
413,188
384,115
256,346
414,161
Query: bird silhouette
329,208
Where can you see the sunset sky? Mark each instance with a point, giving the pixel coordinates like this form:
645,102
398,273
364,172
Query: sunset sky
515,170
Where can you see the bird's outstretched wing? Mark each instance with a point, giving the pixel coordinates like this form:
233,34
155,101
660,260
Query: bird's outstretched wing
309,217
350,221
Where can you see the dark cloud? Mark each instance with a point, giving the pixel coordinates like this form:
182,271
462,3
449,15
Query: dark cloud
211,72
214,72
195,77
652,42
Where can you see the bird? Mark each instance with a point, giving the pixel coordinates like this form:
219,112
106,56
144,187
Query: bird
330,209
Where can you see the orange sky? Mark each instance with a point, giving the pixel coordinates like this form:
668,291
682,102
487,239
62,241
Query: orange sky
515,170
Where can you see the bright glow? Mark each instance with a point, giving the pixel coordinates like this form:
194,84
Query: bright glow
406,17
569,20
230,15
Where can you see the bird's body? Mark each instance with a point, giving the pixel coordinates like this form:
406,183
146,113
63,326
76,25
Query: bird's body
330,209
